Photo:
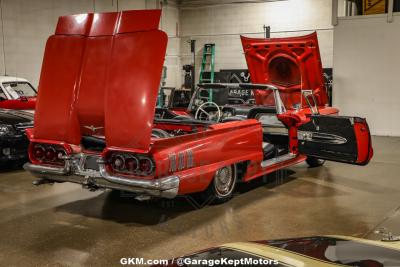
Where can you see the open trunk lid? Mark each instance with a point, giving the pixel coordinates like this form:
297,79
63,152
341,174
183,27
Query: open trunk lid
100,75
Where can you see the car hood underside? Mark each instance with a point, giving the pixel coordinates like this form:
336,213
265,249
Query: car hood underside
291,63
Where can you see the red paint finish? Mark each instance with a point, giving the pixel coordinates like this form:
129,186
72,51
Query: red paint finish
132,90
24,103
184,128
220,145
56,115
138,20
291,64
181,111
103,63
101,75
364,142
74,24
254,170
89,103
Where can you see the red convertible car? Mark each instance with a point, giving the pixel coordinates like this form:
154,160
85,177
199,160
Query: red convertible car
95,125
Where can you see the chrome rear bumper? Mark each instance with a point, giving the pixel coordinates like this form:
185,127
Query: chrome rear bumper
165,187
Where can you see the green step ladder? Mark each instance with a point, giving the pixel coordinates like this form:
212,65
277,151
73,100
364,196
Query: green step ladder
207,66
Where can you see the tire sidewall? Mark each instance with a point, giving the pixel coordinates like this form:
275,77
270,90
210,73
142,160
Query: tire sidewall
217,198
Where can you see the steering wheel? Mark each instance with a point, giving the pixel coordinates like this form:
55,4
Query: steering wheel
210,117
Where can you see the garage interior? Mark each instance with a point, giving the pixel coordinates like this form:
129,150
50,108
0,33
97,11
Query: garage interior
63,225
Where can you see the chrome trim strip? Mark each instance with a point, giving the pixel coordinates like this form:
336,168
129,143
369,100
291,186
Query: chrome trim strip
275,130
318,137
181,160
269,162
166,187
189,155
165,183
43,169
172,162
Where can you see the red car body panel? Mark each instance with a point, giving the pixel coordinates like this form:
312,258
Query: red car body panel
364,143
220,145
145,59
114,63
24,103
101,52
291,64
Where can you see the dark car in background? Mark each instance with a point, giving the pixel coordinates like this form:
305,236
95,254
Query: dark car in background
13,141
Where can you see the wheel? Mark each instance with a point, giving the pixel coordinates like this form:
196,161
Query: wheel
314,162
223,185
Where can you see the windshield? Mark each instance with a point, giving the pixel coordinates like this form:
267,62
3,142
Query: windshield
18,89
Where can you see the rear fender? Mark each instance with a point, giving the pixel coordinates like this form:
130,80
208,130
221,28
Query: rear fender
196,157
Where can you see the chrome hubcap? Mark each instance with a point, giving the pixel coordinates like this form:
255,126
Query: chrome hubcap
224,181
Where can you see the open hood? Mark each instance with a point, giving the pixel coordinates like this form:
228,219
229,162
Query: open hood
290,63
100,76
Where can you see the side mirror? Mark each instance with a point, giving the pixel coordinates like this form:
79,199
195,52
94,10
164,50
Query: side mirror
311,101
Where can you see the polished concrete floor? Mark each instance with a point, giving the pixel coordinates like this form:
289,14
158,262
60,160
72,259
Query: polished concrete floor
63,225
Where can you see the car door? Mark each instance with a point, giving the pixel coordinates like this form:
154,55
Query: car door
336,138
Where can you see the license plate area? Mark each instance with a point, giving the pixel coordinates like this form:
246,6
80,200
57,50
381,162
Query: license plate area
90,163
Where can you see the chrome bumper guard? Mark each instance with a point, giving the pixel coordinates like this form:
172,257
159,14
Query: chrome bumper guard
165,187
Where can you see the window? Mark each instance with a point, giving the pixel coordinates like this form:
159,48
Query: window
18,89
2,95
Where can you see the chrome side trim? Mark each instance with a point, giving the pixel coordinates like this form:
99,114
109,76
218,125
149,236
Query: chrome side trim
172,162
189,155
321,137
21,127
181,160
275,130
276,160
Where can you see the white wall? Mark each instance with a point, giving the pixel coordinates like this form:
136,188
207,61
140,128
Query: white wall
222,25
366,66
28,23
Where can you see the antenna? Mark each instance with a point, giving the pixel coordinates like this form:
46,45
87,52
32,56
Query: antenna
2,34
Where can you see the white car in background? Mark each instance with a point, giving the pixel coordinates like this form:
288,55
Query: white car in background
17,93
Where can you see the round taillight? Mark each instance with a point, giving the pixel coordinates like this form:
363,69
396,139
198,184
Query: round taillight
50,154
146,166
38,152
131,164
117,162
